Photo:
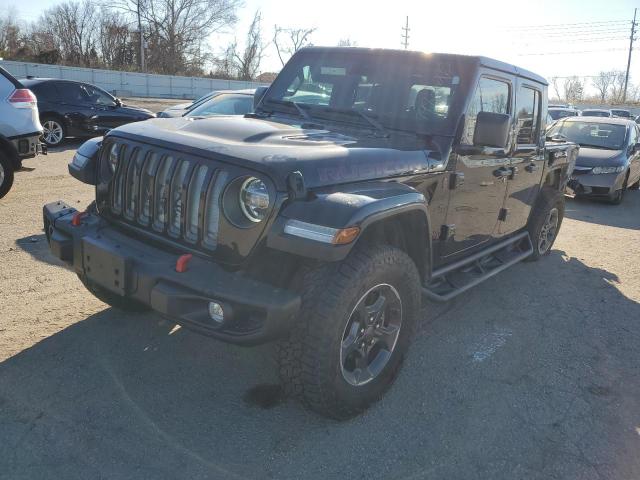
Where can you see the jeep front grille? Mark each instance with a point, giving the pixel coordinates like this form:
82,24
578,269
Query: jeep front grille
167,193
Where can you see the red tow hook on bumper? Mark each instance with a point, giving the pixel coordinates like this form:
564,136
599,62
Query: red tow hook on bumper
182,264
76,220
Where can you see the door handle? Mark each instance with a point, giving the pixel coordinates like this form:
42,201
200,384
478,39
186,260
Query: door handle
532,167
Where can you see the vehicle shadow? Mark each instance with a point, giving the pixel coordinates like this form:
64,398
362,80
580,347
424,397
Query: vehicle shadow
67,145
624,215
554,392
38,247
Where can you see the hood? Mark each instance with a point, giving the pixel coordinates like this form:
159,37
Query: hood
136,110
599,157
324,157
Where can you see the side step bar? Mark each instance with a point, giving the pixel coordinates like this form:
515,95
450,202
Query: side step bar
451,280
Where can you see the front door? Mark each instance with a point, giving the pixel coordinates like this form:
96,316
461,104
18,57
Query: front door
527,162
480,177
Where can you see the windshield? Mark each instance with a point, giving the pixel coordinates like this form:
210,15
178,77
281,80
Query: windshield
556,114
401,92
595,113
225,104
592,134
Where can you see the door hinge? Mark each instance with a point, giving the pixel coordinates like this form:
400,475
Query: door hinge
504,213
456,180
447,232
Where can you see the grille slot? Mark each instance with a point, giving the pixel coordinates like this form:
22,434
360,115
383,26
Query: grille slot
167,193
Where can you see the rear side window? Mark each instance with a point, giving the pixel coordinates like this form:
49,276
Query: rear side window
45,91
71,92
491,96
528,115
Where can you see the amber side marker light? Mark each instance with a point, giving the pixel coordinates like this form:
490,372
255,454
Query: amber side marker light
346,235
320,233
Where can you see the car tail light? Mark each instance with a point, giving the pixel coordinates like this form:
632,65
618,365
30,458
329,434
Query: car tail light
22,98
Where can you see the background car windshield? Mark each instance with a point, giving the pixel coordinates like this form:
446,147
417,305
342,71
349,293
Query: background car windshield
225,104
401,92
595,113
556,114
588,134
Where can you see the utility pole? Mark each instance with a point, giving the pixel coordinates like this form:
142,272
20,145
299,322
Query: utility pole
631,40
405,34
141,36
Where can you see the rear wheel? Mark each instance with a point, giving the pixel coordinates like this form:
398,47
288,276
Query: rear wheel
545,222
357,320
6,175
53,131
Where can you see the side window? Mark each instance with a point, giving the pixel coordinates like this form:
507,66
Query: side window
633,135
70,92
528,116
98,97
490,96
46,91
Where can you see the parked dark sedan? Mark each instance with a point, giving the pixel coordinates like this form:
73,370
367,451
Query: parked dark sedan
609,159
617,112
596,112
558,113
76,109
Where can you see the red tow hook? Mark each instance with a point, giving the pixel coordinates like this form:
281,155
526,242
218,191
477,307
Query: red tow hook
76,220
182,263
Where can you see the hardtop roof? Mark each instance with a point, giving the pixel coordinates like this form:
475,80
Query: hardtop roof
480,60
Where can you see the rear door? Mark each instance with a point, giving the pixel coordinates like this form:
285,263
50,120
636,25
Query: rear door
480,185
527,161
73,105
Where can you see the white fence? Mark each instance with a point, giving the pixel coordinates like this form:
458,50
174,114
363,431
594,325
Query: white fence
129,83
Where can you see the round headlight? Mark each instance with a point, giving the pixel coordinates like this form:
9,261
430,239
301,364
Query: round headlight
254,199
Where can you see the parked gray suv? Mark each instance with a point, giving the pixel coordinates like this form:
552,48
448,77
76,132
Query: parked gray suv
20,128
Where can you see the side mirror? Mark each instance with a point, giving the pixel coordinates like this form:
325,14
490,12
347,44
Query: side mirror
257,96
492,130
118,102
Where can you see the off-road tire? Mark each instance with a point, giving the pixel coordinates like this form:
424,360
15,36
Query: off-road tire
6,175
549,200
112,299
309,360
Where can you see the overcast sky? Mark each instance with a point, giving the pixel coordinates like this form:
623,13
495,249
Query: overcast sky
523,34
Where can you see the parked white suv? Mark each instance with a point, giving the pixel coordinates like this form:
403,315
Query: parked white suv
20,128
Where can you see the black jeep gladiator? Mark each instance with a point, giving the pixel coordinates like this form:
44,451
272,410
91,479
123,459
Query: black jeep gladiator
365,181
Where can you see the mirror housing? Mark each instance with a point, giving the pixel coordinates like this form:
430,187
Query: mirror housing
118,102
84,166
257,96
491,130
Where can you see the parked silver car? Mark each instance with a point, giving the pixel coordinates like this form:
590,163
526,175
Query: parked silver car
20,128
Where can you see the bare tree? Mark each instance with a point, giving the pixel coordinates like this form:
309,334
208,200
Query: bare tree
289,40
602,83
573,89
617,86
10,33
73,28
117,49
176,30
556,88
248,62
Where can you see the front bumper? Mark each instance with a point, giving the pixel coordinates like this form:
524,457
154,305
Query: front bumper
590,185
255,312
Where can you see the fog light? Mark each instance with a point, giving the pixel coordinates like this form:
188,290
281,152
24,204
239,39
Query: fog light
216,312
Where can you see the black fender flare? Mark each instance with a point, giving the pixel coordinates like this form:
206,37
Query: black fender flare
359,205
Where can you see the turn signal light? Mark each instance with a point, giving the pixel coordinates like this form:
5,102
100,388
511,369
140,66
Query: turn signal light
346,235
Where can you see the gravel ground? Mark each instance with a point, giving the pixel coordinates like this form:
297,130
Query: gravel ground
532,375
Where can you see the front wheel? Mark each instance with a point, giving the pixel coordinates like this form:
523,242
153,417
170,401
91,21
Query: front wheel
357,320
545,222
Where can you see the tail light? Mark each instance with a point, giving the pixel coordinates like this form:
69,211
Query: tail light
23,98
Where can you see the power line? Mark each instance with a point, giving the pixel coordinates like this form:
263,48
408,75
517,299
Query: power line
566,25
573,52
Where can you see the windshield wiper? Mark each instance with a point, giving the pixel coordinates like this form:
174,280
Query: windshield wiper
588,145
372,121
301,111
